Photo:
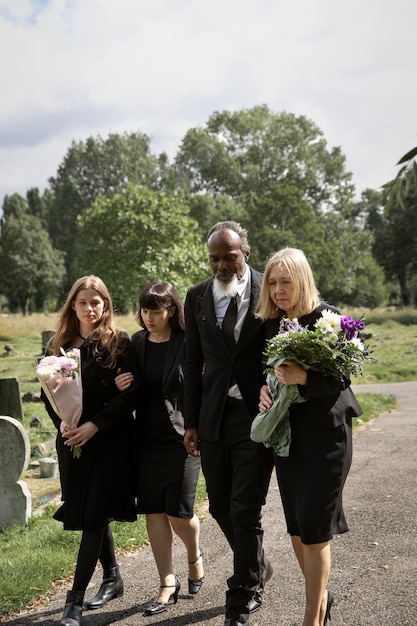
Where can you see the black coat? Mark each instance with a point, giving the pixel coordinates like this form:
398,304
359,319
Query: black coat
99,485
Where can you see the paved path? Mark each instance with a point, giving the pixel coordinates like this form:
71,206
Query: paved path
374,568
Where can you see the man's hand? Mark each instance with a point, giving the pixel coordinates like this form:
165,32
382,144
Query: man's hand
265,400
191,441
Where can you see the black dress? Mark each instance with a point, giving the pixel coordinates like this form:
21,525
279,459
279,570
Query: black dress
312,477
99,486
167,475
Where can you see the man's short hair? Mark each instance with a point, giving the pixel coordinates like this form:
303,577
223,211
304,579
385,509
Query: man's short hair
237,228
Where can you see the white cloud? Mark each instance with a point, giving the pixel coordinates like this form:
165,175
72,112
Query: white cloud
75,68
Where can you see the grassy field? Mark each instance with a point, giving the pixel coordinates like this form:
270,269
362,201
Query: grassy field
36,557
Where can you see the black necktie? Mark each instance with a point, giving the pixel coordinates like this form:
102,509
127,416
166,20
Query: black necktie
229,323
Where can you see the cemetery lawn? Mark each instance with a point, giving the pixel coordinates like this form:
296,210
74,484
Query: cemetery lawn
39,557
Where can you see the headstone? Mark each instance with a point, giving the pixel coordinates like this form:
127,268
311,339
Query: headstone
10,399
15,498
46,335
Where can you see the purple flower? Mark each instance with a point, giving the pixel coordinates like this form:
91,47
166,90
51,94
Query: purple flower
360,324
350,326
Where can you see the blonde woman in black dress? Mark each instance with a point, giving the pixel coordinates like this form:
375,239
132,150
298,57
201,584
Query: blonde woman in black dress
312,477
167,475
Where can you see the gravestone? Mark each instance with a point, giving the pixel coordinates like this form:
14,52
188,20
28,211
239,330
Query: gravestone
15,498
46,335
10,399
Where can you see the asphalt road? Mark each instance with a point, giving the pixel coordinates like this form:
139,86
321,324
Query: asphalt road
374,566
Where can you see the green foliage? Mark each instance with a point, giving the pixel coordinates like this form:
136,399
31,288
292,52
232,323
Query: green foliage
207,210
134,238
32,269
395,240
245,153
348,275
93,168
285,218
293,190
272,172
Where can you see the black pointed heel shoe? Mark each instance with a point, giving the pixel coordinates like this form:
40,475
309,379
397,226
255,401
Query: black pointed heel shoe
160,607
330,600
194,586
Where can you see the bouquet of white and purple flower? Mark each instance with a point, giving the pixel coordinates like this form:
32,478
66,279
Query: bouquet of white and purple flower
333,348
60,378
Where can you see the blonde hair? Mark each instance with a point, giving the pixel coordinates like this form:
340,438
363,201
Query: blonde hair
299,270
104,332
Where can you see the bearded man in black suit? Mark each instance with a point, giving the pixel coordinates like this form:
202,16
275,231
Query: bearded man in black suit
223,376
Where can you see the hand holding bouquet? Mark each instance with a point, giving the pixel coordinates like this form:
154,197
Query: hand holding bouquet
333,348
60,378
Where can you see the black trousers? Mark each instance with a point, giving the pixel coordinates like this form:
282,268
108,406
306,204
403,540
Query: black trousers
237,472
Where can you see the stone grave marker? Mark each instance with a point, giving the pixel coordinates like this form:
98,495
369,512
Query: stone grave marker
10,398
46,335
15,498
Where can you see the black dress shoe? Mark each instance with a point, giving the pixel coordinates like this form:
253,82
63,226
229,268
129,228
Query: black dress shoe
235,622
255,602
330,600
111,587
195,585
160,607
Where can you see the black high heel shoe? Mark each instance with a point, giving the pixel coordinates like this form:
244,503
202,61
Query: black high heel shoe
160,607
330,600
194,586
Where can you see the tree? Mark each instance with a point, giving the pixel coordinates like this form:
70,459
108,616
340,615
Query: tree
389,215
354,277
247,152
98,167
32,270
293,191
134,238
207,210
284,218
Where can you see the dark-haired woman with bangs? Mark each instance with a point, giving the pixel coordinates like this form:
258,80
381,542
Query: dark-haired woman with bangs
167,475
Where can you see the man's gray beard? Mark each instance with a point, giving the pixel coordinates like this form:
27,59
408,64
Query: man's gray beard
225,288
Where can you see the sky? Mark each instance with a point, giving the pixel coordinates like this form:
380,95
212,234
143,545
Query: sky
71,69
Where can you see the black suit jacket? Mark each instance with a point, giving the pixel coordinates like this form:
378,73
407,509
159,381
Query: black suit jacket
209,363
172,376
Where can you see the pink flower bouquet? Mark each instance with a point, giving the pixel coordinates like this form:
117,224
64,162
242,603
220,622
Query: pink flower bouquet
60,378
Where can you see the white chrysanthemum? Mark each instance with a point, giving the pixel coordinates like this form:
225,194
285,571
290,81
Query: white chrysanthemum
329,322
358,344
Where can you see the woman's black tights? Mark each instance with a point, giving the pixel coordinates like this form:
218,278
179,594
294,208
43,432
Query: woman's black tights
95,545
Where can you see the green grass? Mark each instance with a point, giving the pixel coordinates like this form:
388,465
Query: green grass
34,556
394,349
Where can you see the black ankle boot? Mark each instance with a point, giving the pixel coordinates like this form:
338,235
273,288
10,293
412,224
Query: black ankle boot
111,587
73,609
